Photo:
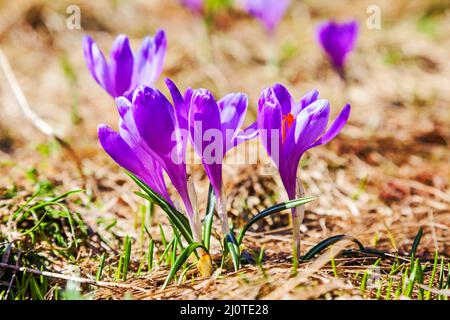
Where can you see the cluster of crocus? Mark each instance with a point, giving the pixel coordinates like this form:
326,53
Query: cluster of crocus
150,141
337,40
288,129
154,132
125,70
153,135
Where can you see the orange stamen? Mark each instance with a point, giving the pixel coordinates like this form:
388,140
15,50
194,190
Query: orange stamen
286,123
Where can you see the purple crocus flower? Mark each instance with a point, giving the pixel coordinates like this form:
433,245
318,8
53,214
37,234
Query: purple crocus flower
214,128
269,12
193,5
288,129
337,40
150,132
125,70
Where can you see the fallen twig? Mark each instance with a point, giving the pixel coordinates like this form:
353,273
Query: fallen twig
14,274
444,292
72,278
32,116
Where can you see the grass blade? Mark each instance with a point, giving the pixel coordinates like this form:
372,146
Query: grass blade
150,255
119,269
419,277
45,203
36,292
322,245
183,274
366,274
333,266
416,244
233,247
391,237
166,251
163,235
126,257
173,256
209,216
389,289
412,278
176,218
433,275
276,208
391,281
98,276
259,261
184,255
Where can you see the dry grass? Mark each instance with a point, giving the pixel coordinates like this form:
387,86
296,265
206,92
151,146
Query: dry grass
386,174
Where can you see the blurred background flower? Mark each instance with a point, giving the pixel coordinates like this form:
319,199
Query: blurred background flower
337,40
269,12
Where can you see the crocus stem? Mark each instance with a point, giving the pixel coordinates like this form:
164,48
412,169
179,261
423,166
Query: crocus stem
222,212
296,223
298,213
204,264
342,74
194,219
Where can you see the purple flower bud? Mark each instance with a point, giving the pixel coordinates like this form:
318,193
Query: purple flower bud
125,71
193,5
269,12
337,40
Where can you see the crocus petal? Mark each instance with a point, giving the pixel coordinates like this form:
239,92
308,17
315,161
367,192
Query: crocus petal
305,101
308,126
146,169
336,127
87,43
316,116
96,64
181,107
155,119
152,168
269,123
130,134
206,135
284,98
232,115
129,131
123,105
121,65
181,112
156,123
118,149
269,12
150,59
247,134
